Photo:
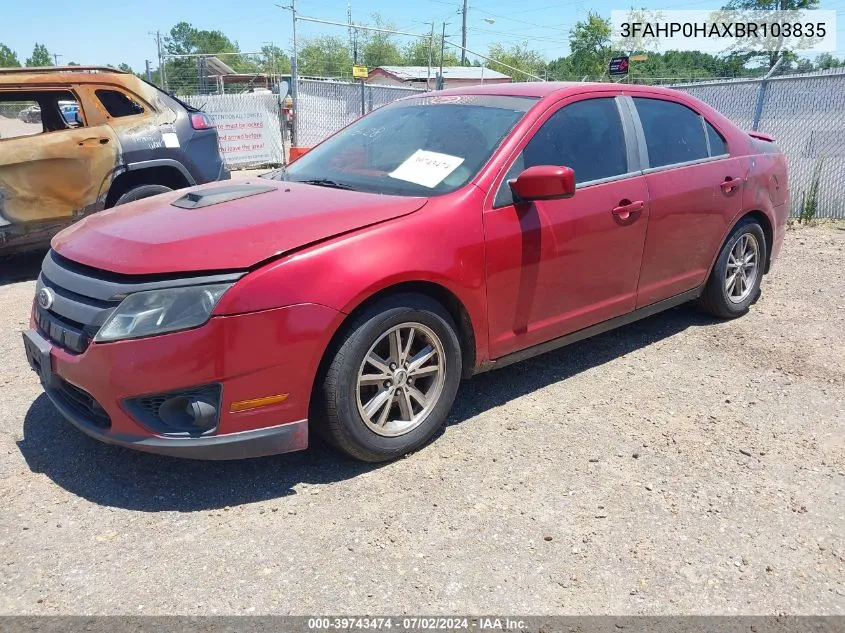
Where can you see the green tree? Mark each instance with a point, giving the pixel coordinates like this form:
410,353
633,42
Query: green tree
40,56
125,68
8,57
416,53
589,43
826,61
775,51
275,60
519,56
325,56
379,49
184,74
561,69
72,64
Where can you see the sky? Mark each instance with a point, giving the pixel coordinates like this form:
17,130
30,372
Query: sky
98,32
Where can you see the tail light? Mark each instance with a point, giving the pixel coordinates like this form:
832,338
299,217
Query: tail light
200,121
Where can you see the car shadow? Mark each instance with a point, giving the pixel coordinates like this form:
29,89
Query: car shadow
113,476
23,267
495,388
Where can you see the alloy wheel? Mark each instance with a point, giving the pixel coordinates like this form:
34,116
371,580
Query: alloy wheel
401,379
742,268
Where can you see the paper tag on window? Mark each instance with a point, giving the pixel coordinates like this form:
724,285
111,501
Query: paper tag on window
426,168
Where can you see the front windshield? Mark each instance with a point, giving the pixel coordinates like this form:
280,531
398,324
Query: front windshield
415,147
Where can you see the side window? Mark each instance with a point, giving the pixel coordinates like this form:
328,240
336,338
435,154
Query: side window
26,113
717,142
673,132
117,104
586,136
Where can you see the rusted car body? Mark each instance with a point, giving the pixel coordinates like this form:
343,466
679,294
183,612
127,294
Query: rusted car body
127,135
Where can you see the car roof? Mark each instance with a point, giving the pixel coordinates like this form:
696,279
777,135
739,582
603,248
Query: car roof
62,74
541,89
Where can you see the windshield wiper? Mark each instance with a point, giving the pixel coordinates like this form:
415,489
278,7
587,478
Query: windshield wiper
325,182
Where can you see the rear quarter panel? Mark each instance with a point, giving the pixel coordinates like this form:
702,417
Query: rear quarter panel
767,189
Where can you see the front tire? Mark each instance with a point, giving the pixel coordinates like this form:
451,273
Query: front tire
734,282
143,191
393,379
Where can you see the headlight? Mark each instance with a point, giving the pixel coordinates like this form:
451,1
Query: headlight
160,311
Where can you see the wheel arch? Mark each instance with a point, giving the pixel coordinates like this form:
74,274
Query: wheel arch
768,232
437,292
169,175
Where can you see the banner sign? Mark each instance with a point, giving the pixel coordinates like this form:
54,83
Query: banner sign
618,66
244,137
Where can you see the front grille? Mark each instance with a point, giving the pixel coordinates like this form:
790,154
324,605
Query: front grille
79,304
82,403
82,298
63,332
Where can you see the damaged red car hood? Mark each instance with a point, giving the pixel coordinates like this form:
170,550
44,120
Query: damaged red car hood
153,236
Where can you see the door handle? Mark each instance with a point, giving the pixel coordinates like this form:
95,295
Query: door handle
627,208
730,184
89,141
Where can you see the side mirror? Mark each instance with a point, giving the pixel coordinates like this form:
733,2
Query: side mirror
544,182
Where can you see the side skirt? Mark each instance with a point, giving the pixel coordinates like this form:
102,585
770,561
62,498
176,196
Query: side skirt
593,330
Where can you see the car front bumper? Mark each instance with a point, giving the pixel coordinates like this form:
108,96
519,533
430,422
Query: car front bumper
252,356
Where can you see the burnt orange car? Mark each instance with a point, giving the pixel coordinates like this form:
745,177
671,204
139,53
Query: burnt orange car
78,139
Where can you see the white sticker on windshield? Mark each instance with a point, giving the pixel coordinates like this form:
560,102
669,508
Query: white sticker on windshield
426,168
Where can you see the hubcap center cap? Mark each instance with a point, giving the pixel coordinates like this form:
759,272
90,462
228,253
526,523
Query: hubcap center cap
400,377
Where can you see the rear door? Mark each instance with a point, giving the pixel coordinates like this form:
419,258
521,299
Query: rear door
695,187
51,168
556,266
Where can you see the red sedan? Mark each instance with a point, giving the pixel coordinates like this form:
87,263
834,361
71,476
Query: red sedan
440,236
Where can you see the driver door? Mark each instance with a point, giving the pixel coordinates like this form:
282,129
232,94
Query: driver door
557,266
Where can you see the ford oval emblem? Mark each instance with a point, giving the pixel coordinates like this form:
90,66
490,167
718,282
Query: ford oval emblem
45,298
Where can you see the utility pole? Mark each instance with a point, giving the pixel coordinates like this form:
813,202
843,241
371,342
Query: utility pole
294,78
149,77
161,78
464,34
353,35
441,82
56,58
430,46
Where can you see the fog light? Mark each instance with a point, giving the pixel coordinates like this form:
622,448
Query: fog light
188,412
193,411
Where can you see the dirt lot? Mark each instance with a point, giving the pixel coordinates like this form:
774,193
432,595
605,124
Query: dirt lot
678,465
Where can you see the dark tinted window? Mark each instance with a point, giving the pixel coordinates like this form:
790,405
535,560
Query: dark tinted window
118,104
673,133
586,136
717,143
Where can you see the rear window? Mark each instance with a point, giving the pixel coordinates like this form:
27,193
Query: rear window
717,142
673,133
118,104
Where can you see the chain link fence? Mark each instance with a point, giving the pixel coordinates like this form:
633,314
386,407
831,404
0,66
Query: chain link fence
249,127
806,116
324,107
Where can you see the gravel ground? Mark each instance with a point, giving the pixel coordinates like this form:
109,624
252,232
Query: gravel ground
676,466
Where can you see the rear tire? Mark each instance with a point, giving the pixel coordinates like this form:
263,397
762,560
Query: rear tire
142,191
734,282
392,380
